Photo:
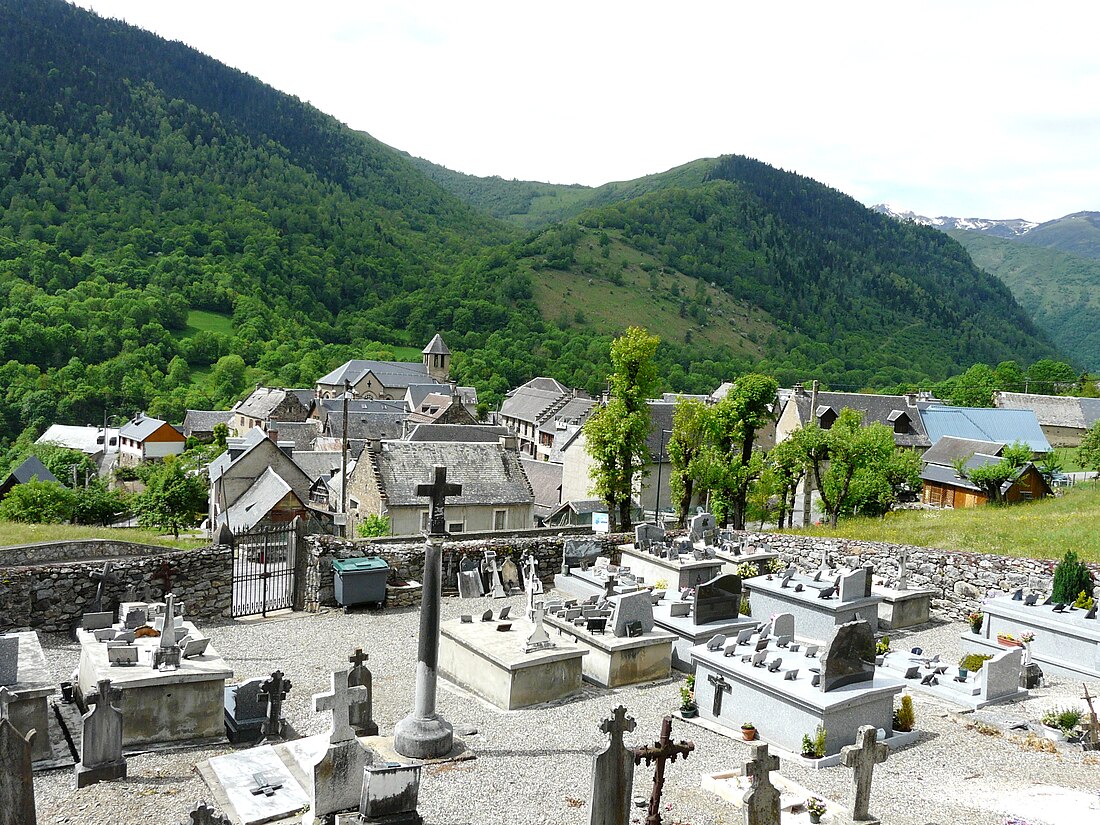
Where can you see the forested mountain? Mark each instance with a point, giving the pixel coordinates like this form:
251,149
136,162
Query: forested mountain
1059,290
1077,234
172,230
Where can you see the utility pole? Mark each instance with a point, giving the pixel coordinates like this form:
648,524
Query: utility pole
807,482
344,460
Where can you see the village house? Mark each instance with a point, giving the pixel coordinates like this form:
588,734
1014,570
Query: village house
1064,420
248,462
267,404
985,424
944,487
900,413
495,496
98,443
31,469
200,424
539,402
545,479
388,380
145,438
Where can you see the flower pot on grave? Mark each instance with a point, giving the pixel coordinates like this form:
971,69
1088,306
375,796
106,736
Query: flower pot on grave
963,673
1006,642
1054,734
689,713
815,818
975,628
748,734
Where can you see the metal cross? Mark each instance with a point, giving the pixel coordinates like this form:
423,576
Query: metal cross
273,691
862,758
339,701
720,686
263,786
359,658
662,751
438,490
105,575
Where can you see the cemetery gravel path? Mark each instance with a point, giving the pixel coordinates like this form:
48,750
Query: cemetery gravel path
534,766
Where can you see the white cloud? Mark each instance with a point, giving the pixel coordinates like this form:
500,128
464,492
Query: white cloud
973,109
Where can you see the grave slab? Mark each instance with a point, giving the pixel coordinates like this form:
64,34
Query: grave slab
32,688
688,634
903,608
493,665
815,619
235,775
614,661
680,574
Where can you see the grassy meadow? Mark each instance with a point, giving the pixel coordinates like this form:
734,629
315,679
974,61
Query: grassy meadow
14,533
1043,529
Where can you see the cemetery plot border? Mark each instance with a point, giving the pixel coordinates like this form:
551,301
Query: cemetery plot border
265,570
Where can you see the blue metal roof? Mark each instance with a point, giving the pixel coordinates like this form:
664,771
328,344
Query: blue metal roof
983,424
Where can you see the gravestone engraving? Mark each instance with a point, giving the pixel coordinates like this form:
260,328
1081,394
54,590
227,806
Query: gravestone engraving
613,773
264,785
631,607
662,751
862,758
16,779
716,642
122,655
361,714
761,800
849,657
101,756
718,599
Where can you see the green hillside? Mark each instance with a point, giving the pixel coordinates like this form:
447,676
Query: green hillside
1059,290
1077,234
173,230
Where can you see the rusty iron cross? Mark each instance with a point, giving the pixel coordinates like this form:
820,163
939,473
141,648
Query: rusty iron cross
438,490
662,751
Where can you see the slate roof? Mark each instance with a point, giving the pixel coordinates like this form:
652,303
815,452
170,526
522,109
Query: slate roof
365,426
302,433
436,347
985,424
247,442
545,479
545,385
141,427
256,502
1053,410
531,404
488,473
204,421
484,433
874,408
317,463
575,411
262,401
938,474
390,373
31,468
949,449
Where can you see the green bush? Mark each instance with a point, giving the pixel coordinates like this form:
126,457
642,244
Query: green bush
819,741
1084,601
1071,576
974,661
38,502
1065,719
905,717
373,525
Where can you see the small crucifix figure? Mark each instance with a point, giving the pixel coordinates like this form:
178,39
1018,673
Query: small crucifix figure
338,701
720,686
273,691
263,786
104,576
438,490
862,758
762,798
662,751
205,815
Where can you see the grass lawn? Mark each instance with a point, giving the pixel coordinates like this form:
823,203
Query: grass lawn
15,533
199,320
1068,457
1043,529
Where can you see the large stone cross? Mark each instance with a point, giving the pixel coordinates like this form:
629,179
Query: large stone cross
903,569
104,576
720,686
762,799
339,701
662,751
438,490
862,758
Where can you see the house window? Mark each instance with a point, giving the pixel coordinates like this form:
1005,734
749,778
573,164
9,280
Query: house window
454,527
424,520
500,519
355,504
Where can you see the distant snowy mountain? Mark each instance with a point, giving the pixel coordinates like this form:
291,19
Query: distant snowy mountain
1011,228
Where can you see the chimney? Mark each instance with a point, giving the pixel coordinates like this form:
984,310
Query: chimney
235,446
287,448
799,389
911,398
509,442
374,445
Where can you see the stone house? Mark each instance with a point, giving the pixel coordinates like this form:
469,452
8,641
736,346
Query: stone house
246,461
1063,420
266,404
388,380
199,424
530,407
898,412
495,492
145,438
269,501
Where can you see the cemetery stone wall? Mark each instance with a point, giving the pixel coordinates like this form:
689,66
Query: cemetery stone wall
51,595
962,579
406,560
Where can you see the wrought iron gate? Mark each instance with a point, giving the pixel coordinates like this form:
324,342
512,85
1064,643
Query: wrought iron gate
264,570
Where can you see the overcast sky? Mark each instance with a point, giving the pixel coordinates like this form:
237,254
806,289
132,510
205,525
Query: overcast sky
969,109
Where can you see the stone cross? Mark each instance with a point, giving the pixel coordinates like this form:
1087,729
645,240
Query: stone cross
720,686
263,786
662,751
423,734
437,490
361,715
16,778
205,815
273,691
101,743
534,583
762,798
613,773
338,701
104,576
862,758
903,569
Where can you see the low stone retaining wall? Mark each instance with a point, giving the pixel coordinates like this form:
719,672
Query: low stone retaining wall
407,595
45,552
962,579
51,597
407,560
